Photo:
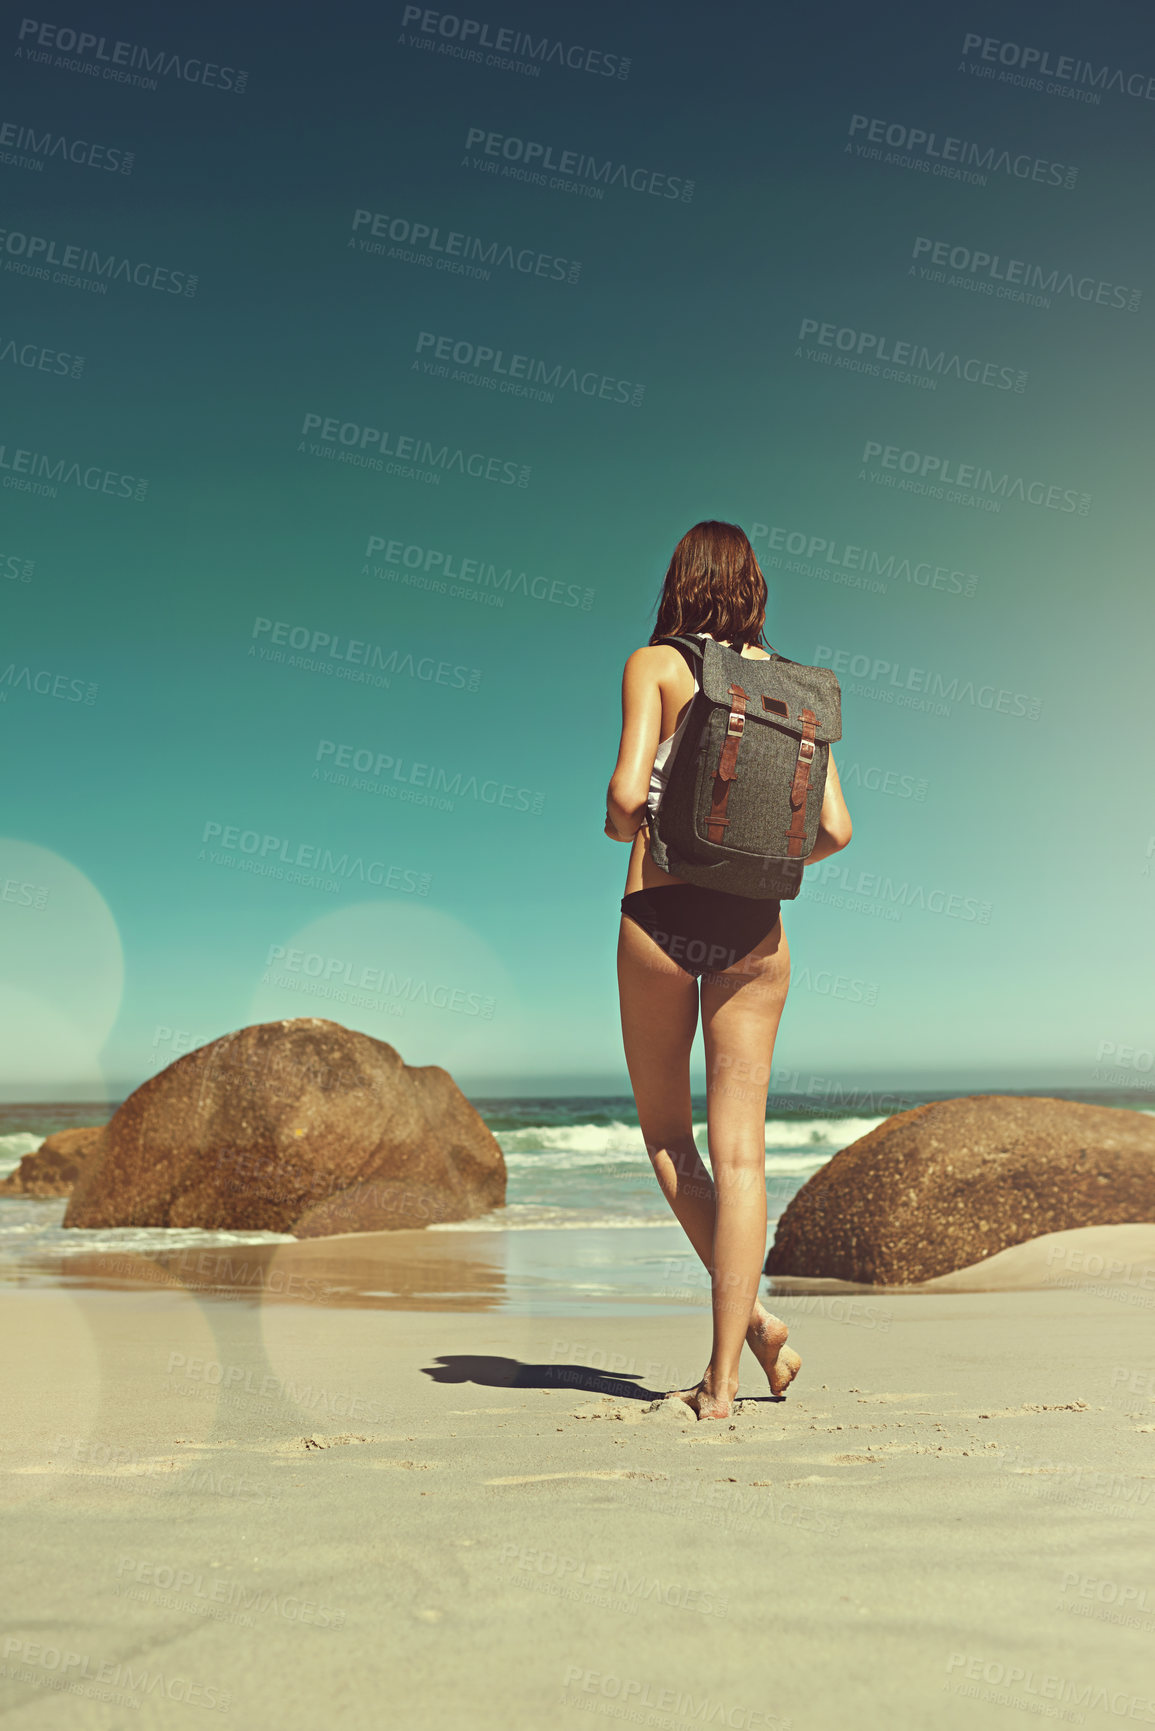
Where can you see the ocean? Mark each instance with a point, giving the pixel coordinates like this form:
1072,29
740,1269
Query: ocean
584,1218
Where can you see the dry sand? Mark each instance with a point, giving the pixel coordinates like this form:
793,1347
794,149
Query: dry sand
271,1512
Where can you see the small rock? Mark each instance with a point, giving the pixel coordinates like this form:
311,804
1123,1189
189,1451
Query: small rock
55,1168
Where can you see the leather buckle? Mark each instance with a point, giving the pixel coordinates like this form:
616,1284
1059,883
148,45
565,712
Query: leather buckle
735,725
806,749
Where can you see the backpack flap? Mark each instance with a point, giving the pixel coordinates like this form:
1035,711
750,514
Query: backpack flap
777,691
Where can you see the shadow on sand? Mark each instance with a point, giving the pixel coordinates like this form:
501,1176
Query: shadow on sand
512,1373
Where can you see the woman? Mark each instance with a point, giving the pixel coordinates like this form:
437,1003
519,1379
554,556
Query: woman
673,933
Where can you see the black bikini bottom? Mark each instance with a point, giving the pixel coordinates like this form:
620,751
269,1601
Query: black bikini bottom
701,930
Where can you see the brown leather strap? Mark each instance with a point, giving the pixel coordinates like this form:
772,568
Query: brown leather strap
796,834
727,769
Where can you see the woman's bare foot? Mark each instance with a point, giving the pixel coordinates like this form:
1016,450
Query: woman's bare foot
707,1400
766,1338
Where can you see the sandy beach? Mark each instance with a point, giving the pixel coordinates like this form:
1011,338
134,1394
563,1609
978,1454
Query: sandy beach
576,596
297,1509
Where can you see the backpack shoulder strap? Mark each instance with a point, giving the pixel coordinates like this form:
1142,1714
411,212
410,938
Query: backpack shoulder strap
690,643
691,650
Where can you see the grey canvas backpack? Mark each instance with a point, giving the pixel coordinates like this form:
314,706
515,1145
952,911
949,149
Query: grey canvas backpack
740,809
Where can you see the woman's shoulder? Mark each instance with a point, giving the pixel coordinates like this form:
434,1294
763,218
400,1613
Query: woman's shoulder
653,657
656,664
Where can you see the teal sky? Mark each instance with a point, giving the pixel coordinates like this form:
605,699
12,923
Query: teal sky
1017,854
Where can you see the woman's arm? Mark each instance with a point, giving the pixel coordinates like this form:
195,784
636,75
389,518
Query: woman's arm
834,826
641,729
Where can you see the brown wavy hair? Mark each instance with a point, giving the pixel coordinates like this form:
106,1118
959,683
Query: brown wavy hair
714,584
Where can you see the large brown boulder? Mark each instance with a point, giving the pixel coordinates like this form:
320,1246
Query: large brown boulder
945,1185
54,1168
301,1126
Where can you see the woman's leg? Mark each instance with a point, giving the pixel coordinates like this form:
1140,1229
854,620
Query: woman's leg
741,1009
659,1010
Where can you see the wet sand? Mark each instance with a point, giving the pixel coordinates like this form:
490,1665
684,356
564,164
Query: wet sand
288,1511
535,1271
